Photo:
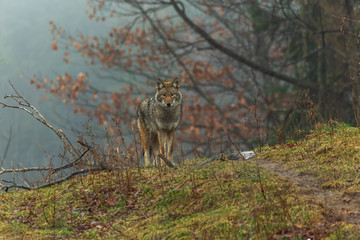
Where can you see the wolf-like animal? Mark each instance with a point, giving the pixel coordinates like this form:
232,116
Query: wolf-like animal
158,117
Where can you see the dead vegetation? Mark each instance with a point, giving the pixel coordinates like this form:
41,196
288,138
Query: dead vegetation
274,196
305,188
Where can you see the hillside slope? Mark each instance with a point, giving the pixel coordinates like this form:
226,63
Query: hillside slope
300,190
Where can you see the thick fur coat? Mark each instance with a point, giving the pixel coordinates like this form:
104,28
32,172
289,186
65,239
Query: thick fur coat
158,118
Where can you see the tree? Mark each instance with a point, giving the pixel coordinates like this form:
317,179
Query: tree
236,60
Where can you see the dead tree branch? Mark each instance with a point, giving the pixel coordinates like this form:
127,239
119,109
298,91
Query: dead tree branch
235,55
50,169
170,164
71,175
24,105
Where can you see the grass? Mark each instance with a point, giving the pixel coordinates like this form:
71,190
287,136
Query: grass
331,153
221,200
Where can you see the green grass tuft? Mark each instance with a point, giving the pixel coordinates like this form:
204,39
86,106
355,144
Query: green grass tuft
221,200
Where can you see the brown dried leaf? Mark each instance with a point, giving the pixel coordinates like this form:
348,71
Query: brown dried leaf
54,45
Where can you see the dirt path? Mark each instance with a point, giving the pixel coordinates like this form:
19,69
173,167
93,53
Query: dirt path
340,207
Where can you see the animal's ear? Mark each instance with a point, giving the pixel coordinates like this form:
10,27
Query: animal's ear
159,84
176,83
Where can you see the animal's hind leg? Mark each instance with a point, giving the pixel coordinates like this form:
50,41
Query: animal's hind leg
145,141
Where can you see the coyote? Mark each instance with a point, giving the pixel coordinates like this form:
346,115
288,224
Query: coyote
158,117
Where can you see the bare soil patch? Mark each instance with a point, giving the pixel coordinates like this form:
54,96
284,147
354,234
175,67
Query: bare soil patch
339,205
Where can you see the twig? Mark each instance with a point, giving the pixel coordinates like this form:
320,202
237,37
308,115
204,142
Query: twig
73,174
7,146
24,104
170,164
25,169
6,188
52,169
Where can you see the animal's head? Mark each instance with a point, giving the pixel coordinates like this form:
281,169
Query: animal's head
168,93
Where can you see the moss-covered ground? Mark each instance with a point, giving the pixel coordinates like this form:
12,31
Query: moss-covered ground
252,199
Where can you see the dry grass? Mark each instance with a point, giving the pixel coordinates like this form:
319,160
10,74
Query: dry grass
221,200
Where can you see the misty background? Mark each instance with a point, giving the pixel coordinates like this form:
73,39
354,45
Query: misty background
25,50
252,72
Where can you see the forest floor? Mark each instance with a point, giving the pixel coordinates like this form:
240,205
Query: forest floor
304,189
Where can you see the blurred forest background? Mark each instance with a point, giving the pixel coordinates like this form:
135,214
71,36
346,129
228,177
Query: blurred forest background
25,50
252,72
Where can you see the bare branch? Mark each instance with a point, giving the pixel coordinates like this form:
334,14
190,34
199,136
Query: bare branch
164,40
24,104
7,146
237,57
73,174
51,169
170,164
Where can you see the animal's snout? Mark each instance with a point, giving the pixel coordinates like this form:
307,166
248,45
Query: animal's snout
168,104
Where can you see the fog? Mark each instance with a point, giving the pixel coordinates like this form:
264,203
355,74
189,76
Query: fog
25,50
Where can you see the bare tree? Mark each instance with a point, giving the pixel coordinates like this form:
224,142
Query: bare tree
226,52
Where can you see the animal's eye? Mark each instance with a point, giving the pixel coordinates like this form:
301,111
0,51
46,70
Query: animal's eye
163,96
174,95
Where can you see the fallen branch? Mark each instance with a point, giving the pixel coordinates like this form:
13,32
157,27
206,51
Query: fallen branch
71,175
24,169
167,161
51,169
14,185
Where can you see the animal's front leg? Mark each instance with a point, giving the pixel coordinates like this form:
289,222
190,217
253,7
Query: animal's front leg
166,143
145,141
170,136
162,148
